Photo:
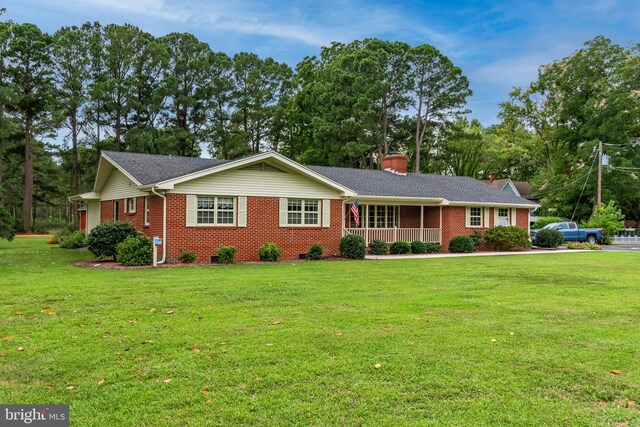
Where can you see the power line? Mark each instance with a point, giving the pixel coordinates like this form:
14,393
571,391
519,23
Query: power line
583,187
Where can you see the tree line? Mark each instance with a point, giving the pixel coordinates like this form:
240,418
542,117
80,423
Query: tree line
67,96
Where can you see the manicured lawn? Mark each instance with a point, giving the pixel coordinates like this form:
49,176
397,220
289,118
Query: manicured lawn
297,343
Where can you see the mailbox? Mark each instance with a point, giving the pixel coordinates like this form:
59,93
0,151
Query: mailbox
157,241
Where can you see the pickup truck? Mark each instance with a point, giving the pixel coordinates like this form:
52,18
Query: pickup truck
573,233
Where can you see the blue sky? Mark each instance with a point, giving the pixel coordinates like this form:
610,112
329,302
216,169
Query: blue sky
498,44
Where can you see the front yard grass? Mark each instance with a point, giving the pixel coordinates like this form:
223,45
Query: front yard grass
523,340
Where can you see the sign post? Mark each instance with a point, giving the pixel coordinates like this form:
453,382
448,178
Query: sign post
156,242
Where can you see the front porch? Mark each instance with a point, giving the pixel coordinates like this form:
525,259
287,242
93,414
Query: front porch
392,223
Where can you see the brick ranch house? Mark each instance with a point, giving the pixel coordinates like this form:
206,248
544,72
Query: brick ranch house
200,204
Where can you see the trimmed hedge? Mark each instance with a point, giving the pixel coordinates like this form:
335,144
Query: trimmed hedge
315,252
104,238
548,238
400,248
187,257
378,247
507,238
461,245
135,250
432,248
269,252
227,254
353,246
418,247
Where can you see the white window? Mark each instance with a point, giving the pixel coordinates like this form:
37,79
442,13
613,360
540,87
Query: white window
146,210
130,205
474,217
303,212
383,216
215,210
502,216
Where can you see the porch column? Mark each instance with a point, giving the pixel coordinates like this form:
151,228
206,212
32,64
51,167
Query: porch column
422,223
366,228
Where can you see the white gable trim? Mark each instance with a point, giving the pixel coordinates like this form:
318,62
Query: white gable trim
105,167
279,158
513,187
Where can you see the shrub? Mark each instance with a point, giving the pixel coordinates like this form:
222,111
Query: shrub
507,238
353,246
478,238
104,238
187,257
7,226
609,218
74,241
53,241
418,247
226,254
461,245
315,252
135,250
547,238
63,232
400,248
378,247
546,220
269,252
432,248
583,245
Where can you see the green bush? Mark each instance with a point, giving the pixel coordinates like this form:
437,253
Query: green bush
418,247
432,248
478,238
135,250
461,245
400,248
226,254
548,238
609,218
546,220
104,238
507,238
7,230
74,241
269,252
378,247
315,252
187,257
353,246
583,245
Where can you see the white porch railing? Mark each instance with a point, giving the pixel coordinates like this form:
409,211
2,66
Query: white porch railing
391,235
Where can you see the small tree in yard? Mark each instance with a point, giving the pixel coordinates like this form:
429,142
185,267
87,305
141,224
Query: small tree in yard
6,225
609,218
104,238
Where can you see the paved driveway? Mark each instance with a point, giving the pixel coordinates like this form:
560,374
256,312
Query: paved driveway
631,247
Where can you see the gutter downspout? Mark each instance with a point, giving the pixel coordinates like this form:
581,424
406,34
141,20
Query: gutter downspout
164,225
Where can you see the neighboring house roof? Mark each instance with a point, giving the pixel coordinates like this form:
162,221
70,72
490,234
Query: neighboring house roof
522,188
151,169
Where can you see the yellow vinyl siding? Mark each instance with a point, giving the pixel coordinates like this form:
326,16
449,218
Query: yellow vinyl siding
254,181
118,186
93,214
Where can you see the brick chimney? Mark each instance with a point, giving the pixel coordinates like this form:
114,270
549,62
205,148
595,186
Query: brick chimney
395,163
492,176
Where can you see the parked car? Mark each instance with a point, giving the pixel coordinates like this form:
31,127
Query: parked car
572,233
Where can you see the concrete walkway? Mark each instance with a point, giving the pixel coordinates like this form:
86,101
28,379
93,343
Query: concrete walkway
447,255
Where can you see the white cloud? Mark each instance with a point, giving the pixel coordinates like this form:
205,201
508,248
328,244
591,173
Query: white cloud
151,8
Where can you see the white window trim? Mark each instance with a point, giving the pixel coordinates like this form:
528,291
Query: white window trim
215,212
146,211
303,211
496,216
468,217
396,217
126,205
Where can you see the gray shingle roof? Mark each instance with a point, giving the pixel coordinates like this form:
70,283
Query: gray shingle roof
150,168
453,188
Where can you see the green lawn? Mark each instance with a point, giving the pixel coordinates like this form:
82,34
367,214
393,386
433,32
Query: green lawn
522,340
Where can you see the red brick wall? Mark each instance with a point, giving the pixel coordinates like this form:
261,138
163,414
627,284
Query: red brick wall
262,226
410,217
396,162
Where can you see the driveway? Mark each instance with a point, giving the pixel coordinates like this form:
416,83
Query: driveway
630,247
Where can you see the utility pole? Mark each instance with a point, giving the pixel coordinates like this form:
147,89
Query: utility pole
599,199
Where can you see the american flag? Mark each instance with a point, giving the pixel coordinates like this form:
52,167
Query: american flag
355,213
